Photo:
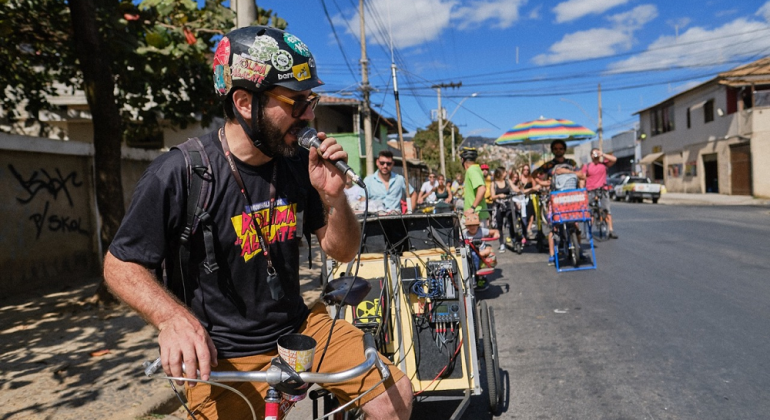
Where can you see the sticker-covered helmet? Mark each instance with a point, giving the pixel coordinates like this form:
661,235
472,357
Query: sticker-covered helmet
258,58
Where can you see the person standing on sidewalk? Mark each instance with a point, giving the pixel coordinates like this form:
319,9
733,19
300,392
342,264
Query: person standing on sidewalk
596,178
387,187
226,305
474,185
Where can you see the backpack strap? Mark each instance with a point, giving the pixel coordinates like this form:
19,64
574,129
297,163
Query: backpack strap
199,192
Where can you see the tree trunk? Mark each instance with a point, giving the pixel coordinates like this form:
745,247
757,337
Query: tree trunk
99,87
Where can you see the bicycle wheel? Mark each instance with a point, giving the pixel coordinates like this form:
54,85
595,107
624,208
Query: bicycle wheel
574,248
601,230
491,362
518,234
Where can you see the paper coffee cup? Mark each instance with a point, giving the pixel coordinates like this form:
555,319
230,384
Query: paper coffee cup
297,351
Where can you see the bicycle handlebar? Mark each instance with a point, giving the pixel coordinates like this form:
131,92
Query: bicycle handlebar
273,375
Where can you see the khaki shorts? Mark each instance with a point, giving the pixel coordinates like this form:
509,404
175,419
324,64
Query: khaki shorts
346,350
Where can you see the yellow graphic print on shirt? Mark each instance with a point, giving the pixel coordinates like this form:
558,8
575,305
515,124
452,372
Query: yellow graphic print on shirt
283,228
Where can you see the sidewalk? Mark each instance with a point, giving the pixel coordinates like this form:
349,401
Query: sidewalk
711,199
63,358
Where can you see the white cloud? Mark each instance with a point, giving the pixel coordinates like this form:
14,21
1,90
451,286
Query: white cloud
592,43
534,14
600,42
501,13
415,22
764,11
404,19
698,46
575,9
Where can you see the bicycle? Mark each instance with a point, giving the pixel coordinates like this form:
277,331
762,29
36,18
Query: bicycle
540,203
599,214
567,209
281,377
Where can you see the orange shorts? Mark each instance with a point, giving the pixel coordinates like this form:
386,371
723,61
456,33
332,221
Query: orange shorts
346,350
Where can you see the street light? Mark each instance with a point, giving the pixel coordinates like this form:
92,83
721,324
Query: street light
459,104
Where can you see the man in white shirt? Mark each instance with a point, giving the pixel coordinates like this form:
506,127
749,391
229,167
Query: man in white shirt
426,191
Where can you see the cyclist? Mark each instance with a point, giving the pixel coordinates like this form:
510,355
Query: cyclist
474,185
547,171
528,186
228,312
474,232
558,148
596,177
501,190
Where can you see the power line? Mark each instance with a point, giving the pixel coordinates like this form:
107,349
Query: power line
334,31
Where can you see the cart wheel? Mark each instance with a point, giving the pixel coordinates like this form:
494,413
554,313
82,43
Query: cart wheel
491,362
574,248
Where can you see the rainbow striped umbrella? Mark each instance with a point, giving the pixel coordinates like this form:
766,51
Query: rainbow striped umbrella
544,130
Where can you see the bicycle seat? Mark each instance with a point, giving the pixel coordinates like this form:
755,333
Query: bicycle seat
352,289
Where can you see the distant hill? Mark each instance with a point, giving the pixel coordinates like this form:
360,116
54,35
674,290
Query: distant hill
477,141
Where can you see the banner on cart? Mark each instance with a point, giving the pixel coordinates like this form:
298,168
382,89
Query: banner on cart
569,206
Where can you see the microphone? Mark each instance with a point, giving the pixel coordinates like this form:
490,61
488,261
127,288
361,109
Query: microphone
307,138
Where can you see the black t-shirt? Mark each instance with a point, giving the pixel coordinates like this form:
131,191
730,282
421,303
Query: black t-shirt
234,303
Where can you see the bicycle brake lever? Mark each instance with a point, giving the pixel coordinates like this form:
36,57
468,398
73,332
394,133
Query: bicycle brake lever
150,368
369,345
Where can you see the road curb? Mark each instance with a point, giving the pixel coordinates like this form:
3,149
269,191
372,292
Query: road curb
162,402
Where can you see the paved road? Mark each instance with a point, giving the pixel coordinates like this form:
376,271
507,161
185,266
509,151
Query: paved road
675,323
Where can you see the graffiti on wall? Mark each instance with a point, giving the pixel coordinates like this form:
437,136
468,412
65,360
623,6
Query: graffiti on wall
51,186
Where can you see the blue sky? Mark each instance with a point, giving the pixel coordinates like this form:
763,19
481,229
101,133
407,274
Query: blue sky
524,58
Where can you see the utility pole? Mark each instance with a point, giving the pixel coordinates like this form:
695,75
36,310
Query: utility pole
599,129
401,137
245,12
441,122
365,88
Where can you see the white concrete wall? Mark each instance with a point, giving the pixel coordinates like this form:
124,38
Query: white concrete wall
760,152
49,227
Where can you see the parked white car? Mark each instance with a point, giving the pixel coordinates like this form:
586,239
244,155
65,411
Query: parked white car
636,189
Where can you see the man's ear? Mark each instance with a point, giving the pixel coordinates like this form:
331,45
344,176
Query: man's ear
242,101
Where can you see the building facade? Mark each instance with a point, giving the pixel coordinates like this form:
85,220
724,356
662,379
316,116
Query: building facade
712,137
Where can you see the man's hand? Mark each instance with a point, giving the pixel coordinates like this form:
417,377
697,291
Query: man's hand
324,176
183,339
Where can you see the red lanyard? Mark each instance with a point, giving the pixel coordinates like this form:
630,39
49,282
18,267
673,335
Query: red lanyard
273,281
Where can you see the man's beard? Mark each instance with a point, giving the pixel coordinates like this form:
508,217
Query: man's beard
273,138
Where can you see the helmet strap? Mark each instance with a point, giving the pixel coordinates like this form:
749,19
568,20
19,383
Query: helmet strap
252,130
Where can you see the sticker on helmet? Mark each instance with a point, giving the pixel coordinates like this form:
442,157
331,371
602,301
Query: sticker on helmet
296,44
282,60
301,72
263,48
311,62
222,55
219,79
246,69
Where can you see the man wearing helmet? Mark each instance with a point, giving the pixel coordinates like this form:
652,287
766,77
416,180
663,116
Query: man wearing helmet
474,184
266,193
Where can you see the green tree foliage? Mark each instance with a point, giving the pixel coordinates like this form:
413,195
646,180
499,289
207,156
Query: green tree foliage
159,52
427,140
